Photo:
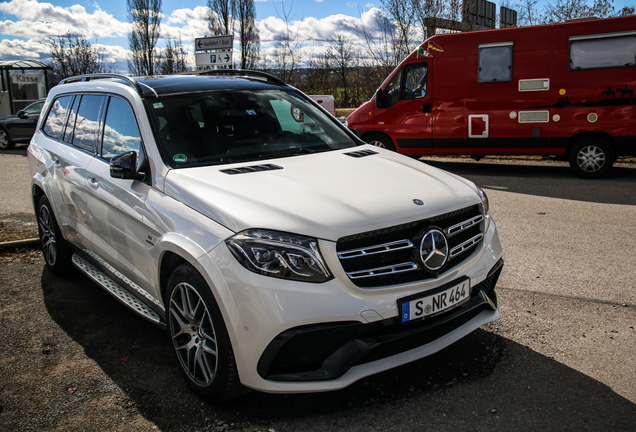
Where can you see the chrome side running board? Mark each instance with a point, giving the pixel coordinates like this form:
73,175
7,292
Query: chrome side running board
116,290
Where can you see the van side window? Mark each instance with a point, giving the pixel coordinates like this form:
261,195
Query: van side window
392,91
495,62
87,122
55,121
415,81
602,52
121,133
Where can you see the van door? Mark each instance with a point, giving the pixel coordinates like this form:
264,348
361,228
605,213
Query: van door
405,109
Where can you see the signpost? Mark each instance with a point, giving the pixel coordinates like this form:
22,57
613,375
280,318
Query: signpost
214,50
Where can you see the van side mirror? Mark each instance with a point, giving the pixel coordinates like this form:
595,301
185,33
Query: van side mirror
21,114
381,98
124,166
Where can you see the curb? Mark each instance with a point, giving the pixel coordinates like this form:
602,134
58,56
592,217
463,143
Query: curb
19,243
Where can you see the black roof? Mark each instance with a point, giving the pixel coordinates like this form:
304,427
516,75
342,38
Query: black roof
191,82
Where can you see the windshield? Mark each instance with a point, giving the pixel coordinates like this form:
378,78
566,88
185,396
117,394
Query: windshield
225,127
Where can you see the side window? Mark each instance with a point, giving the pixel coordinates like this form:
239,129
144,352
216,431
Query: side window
34,108
70,124
55,121
391,93
495,62
415,81
121,133
87,122
606,52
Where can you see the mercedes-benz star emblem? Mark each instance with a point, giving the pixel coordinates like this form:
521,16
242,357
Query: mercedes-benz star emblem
434,250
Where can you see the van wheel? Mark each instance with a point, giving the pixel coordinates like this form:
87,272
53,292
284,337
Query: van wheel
199,338
5,141
591,157
57,252
381,141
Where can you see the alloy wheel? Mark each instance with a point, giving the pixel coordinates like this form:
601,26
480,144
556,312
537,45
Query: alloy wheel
590,158
47,235
192,334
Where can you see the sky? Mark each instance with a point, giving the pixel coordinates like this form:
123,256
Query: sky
27,25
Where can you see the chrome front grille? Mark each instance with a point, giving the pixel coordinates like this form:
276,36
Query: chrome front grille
390,256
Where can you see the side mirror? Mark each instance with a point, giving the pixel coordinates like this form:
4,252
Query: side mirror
124,166
381,98
21,114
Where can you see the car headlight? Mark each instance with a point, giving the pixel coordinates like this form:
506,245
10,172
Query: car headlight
484,199
278,254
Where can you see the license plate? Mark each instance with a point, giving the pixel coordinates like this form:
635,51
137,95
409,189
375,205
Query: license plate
426,306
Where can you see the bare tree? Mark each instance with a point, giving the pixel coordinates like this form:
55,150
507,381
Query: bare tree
382,44
287,56
529,14
401,13
248,33
145,16
173,58
563,10
342,56
627,10
221,16
72,54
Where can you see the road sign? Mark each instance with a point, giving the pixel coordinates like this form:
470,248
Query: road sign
213,43
219,58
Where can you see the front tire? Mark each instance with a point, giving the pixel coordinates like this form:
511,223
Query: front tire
591,157
199,338
57,252
381,141
5,141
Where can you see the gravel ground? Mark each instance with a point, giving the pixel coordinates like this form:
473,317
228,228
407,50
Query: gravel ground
560,358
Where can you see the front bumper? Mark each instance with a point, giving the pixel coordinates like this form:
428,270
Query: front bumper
293,337
327,351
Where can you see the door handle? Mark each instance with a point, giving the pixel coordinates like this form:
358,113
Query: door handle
92,182
427,107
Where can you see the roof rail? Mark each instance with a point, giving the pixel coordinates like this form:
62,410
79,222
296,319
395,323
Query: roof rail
247,73
83,78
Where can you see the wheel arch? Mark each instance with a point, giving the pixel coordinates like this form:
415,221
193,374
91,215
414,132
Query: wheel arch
36,193
369,134
177,250
574,139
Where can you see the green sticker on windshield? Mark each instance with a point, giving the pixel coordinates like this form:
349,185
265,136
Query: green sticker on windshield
180,158
157,105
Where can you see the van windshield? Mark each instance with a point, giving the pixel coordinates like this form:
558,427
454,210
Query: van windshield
223,127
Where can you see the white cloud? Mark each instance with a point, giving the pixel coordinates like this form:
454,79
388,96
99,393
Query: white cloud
43,20
20,50
36,22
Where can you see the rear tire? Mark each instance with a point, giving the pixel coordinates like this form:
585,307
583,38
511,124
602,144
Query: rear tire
380,141
199,338
57,252
591,157
5,141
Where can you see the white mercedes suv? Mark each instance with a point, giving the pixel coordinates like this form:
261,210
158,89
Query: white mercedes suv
280,252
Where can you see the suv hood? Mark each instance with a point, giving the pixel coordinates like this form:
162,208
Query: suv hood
326,195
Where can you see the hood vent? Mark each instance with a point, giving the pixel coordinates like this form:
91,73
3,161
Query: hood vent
251,169
361,153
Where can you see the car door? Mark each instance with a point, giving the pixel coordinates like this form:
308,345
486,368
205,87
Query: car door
406,114
23,127
69,121
118,232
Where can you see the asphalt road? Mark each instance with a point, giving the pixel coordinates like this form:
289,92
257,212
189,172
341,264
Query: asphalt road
562,356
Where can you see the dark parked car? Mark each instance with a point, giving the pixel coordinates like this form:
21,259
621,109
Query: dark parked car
19,128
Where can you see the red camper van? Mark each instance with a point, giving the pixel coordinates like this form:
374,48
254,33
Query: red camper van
565,90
